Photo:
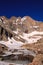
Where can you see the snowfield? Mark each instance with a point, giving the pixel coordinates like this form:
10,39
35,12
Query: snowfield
12,44
30,38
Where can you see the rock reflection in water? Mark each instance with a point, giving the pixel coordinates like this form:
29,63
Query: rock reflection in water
15,62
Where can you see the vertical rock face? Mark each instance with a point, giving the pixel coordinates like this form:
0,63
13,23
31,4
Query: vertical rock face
3,34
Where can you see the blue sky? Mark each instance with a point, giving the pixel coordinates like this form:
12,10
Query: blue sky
32,8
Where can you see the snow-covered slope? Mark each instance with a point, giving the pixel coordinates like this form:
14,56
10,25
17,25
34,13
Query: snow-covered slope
12,44
32,37
24,31
29,39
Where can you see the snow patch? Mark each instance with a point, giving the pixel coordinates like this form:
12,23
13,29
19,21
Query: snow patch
32,33
12,44
17,20
33,38
16,31
35,26
24,18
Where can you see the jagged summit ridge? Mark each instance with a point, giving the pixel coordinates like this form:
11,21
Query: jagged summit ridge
18,25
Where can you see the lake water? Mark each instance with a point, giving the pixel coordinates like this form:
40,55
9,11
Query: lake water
15,62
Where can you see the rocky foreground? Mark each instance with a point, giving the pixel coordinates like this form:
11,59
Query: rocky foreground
21,39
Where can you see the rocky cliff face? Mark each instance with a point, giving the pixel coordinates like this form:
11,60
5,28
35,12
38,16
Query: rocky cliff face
20,25
22,33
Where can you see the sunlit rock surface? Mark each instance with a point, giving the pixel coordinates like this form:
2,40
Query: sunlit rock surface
21,39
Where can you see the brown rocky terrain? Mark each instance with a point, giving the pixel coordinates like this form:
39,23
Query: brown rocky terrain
38,60
25,31
25,24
